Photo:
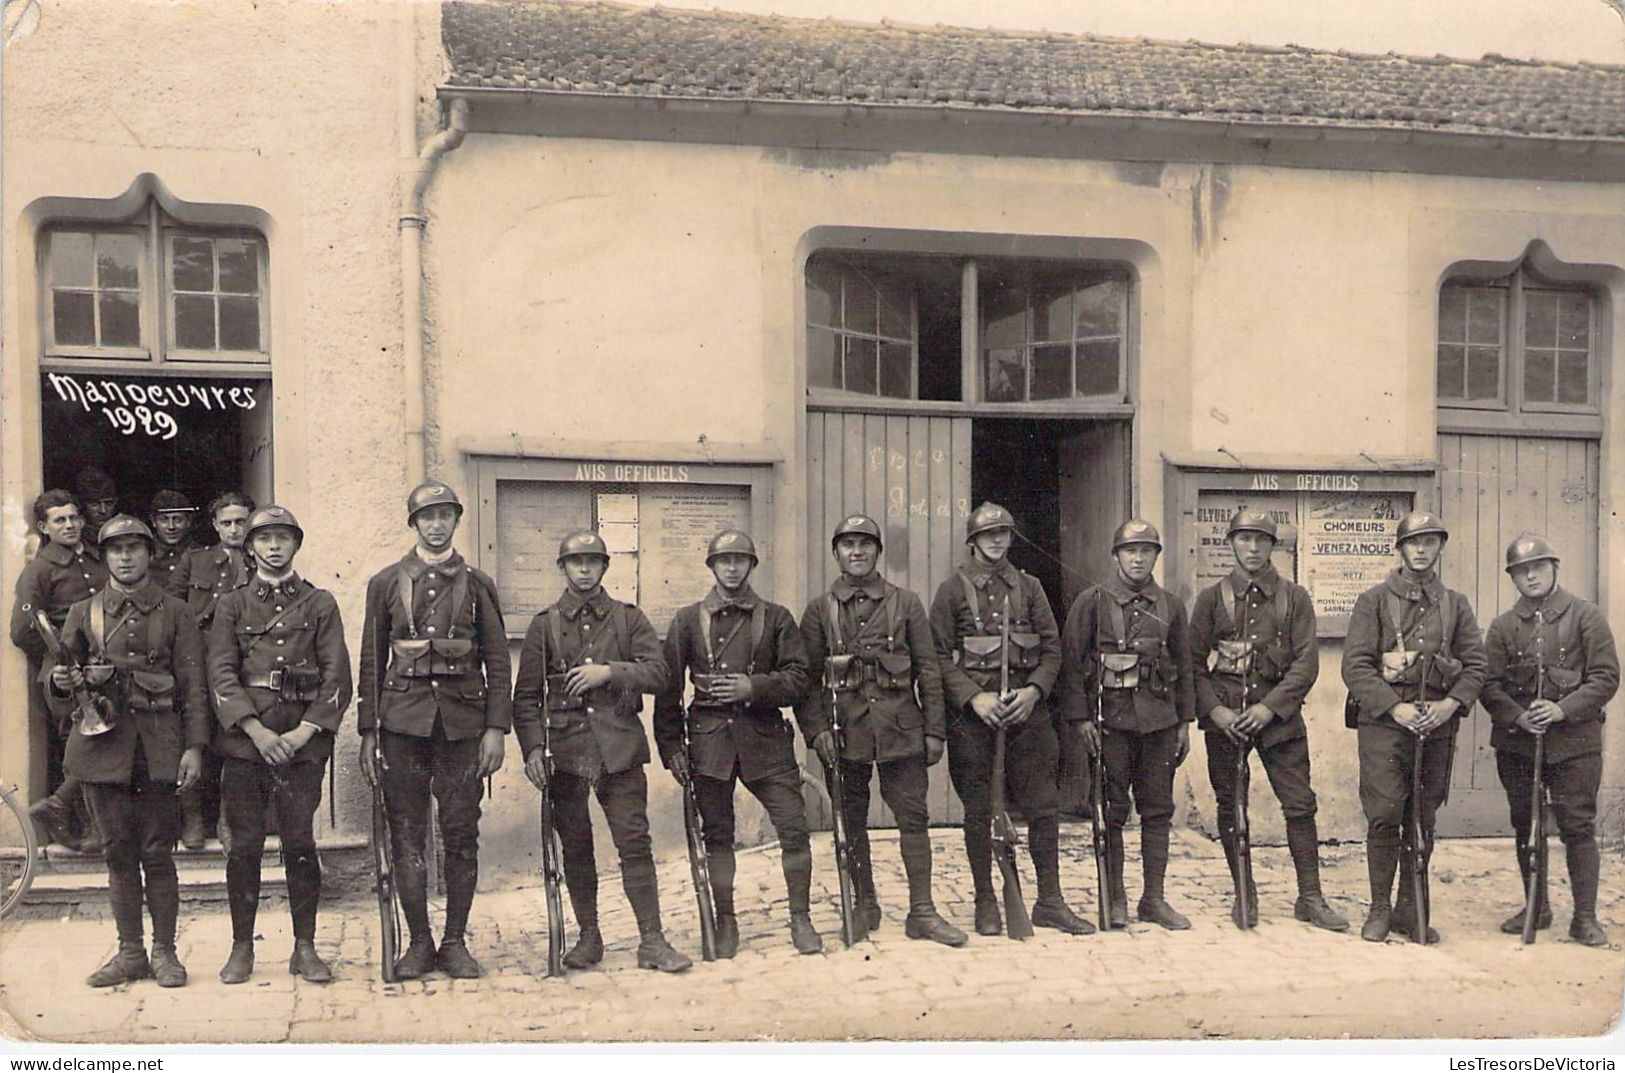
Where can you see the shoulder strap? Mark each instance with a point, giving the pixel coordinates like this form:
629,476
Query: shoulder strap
155,634
1396,617
459,599
1226,617
1114,614
1283,609
833,614
403,586
555,633
1447,625
96,624
269,626
758,627
707,619
970,598
889,610
1020,607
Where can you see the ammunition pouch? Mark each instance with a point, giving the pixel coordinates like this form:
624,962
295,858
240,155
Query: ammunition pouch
436,657
842,672
1443,673
1119,670
981,653
1397,667
1231,657
98,675
704,686
1024,651
1522,678
1351,712
150,691
1562,681
300,685
559,698
893,670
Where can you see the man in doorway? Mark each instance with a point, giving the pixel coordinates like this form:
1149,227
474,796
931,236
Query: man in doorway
98,495
1414,664
586,662
1127,677
968,622
280,675
1552,666
171,518
870,642
66,569
145,665
747,662
1255,658
435,706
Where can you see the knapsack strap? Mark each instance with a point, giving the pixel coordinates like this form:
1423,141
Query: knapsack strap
888,612
1447,620
403,586
707,620
758,627
1018,599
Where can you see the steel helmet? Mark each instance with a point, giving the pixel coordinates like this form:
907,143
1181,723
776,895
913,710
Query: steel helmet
857,525
1136,531
731,542
583,542
1529,548
1252,521
431,494
988,516
125,525
273,515
1419,523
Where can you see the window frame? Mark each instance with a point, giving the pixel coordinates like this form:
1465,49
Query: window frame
846,270
1029,267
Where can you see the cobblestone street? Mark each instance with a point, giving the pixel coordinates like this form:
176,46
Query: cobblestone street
1285,979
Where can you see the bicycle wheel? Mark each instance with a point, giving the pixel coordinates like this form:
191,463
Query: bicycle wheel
17,852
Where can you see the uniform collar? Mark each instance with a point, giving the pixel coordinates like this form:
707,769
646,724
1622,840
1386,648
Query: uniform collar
1558,601
52,552
415,567
715,600
571,603
1119,590
145,596
1406,589
288,586
1267,581
843,589
980,573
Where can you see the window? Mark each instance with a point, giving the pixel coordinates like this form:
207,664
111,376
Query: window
154,291
1517,344
1051,334
861,333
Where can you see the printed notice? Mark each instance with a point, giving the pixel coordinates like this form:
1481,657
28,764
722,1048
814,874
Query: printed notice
532,517
676,524
1349,545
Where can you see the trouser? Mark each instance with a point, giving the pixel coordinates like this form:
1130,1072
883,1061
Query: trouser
1030,758
1572,785
414,769
1141,767
206,797
1072,769
903,785
139,822
1387,753
1287,765
248,787
624,797
781,795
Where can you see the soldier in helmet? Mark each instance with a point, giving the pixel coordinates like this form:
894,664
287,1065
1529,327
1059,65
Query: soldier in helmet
1414,664
585,664
745,657
280,675
143,657
171,516
967,620
872,641
1255,658
435,705
1127,677
1552,667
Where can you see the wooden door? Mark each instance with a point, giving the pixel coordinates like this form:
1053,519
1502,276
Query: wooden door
1491,488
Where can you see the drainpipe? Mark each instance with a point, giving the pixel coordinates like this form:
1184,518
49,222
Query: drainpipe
415,181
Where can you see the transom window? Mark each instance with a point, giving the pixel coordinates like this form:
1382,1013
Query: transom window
1518,343
861,330
1051,334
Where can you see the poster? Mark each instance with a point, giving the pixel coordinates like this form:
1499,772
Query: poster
532,517
675,523
1348,545
1215,508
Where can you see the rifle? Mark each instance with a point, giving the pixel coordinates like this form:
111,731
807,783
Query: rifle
699,863
854,928
1018,925
95,710
1097,806
383,863
1418,847
552,872
1535,848
1243,832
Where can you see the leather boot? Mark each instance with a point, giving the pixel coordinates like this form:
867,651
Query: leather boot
727,935
52,820
867,909
1252,908
979,854
988,920
923,921
1381,858
240,965
654,952
804,935
1313,909
167,969
1378,922
1227,840
588,950
1117,896
1154,908
1513,925
1585,861
130,963
1404,920
192,836
1303,842
1051,911
417,960
455,961
868,903
308,965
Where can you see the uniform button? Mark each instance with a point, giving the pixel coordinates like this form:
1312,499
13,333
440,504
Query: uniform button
279,659
431,629
434,682
431,592
587,660
590,710
281,640
279,607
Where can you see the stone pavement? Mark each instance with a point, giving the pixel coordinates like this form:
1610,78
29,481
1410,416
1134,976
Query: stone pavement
1284,979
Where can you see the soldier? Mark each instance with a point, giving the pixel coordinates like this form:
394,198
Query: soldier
1125,649
891,713
435,707
1407,626
66,569
98,495
966,620
747,662
172,524
145,658
1552,667
280,675
591,657
1255,658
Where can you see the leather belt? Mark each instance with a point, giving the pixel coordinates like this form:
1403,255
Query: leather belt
272,680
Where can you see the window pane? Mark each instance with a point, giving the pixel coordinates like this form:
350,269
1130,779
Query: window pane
1452,315
896,321
860,365
860,304
72,319
1004,315
1573,379
1098,368
1052,372
1052,312
1540,319
897,370
1484,316
1574,322
1452,371
118,261
71,259
823,364
121,319
239,266
1005,374
823,292
194,322
1098,309
1539,376
193,265
1483,373
239,323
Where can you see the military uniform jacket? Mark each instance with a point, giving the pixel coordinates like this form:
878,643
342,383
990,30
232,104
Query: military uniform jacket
203,575
603,734
1581,665
953,619
167,562
1166,695
1285,656
468,703
54,580
259,632
1372,631
158,692
756,736
878,723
